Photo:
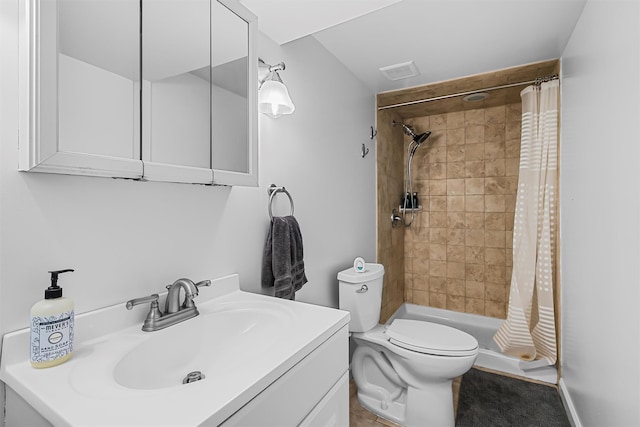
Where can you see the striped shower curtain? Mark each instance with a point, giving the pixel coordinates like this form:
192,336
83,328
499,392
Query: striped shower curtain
529,331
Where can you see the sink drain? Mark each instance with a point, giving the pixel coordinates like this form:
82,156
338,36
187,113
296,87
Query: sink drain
193,377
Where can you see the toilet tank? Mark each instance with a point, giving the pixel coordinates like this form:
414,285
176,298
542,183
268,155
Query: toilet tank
361,295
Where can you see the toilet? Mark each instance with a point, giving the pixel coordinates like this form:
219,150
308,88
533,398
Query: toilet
403,370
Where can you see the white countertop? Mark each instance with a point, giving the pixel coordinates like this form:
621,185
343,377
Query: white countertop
83,391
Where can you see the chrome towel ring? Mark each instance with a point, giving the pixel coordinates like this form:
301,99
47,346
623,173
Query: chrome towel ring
272,191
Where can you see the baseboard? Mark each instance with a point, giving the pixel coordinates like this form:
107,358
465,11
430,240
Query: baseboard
568,404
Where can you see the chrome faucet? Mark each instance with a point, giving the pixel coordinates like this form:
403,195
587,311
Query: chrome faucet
172,304
174,311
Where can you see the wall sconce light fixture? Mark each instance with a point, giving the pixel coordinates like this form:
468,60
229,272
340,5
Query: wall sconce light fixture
273,96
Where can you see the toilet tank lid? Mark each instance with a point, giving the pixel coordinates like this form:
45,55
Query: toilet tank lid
431,338
372,271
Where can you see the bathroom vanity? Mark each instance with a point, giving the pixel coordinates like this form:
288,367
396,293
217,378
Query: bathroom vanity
263,361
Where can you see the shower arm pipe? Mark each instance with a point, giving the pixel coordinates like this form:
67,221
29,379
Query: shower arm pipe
455,95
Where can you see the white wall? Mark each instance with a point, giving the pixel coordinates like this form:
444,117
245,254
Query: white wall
128,239
600,214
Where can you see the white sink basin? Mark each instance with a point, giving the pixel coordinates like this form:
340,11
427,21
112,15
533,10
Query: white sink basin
241,342
224,339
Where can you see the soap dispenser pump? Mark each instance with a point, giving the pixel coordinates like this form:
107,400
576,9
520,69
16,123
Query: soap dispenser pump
52,326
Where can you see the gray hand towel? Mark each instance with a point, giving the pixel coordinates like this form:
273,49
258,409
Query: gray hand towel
283,263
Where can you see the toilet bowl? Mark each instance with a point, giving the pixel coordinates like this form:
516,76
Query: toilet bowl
404,370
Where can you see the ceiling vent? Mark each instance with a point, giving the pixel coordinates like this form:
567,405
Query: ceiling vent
400,71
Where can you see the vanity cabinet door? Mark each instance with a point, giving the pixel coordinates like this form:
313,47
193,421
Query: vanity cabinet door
79,84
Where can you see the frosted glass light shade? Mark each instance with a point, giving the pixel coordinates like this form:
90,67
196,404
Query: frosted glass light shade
274,99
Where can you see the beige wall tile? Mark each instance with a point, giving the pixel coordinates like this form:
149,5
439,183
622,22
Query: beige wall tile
495,292
474,203
474,289
438,219
456,170
438,300
437,187
473,117
456,253
455,287
420,282
456,270
495,256
474,220
438,285
514,112
495,114
455,187
420,265
439,204
437,153
455,153
473,152
438,235
474,272
438,121
494,150
455,303
438,268
494,203
455,136
437,170
474,237
512,148
495,167
513,130
474,306
474,169
474,186
494,239
474,254
438,252
455,219
495,221
420,297
494,274
494,132
455,236
455,120
474,134
456,203
512,166
495,309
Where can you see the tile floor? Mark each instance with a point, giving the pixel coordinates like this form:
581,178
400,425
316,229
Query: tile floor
360,417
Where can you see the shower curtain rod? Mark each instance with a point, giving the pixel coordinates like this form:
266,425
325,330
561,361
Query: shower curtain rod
537,81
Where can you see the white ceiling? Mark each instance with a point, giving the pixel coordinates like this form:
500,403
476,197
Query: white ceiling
445,38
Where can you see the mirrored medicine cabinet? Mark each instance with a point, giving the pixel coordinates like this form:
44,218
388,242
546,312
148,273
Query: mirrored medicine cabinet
161,90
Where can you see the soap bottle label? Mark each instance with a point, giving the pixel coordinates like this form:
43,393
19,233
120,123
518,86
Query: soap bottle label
51,336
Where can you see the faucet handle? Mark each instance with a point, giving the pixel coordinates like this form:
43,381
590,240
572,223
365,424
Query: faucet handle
151,298
203,283
188,299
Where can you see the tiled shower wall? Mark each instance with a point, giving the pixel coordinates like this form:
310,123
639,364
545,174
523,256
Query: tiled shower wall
390,241
457,253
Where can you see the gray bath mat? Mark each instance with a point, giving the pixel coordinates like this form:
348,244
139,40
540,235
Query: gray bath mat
492,400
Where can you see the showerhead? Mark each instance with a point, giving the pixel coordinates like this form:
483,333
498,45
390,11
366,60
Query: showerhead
408,130
419,139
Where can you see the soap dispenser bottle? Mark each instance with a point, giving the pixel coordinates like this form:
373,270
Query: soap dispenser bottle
52,326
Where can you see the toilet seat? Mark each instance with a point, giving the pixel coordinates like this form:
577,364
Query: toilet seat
431,338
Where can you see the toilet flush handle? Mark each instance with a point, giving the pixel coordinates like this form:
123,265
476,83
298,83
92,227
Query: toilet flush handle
363,289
